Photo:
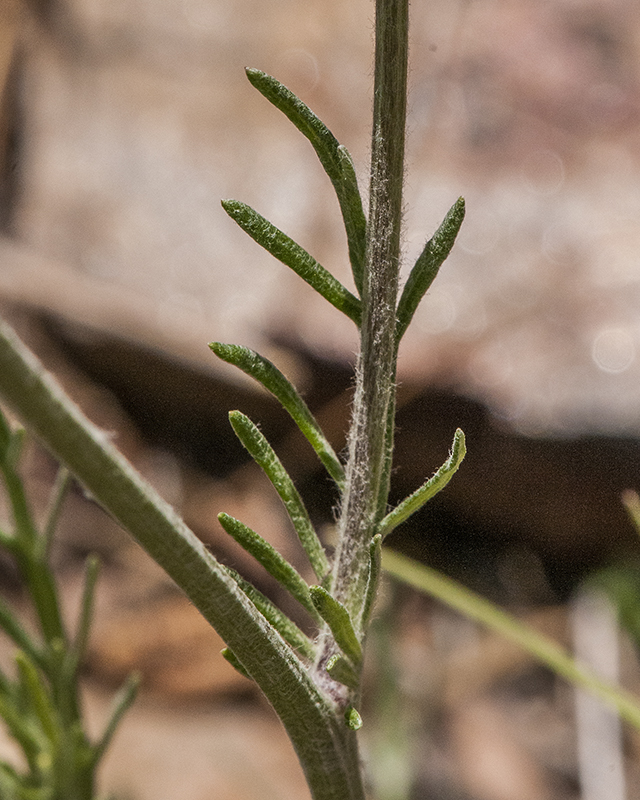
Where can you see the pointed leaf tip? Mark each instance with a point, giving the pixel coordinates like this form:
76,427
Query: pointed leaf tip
426,267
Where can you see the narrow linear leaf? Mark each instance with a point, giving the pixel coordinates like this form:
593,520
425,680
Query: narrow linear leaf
541,647
426,267
337,618
10,782
231,657
295,257
277,566
79,646
355,222
631,501
375,553
434,485
39,697
14,630
121,704
342,671
334,158
5,436
13,452
8,541
289,631
6,688
266,373
352,719
60,489
23,729
264,455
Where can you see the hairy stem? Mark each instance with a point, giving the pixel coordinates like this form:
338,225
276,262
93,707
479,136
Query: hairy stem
375,380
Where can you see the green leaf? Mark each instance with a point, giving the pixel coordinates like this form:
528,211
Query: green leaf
272,379
292,255
337,618
39,698
477,608
13,452
10,624
355,222
289,631
277,566
342,671
375,553
276,668
631,501
23,729
5,436
426,267
79,646
334,157
120,705
58,494
231,657
264,455
434,485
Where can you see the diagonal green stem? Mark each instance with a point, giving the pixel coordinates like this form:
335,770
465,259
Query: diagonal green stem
541,647
325,745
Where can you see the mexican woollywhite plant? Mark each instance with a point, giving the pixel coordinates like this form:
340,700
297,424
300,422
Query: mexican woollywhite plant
312,681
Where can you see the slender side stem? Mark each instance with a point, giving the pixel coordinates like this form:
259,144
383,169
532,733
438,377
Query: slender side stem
547,651
375,380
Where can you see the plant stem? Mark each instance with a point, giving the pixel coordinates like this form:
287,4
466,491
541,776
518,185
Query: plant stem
541,647
370,433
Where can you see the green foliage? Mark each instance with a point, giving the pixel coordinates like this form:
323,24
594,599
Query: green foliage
277,566
428,489
426,267
342,666
313,682
266,373
40,704
333,156
292,255
431,582
621,582
262,452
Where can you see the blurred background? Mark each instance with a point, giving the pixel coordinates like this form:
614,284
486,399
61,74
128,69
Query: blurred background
122,125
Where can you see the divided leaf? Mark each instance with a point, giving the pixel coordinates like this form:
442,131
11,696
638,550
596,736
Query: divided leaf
277,566
12,627
375,553
120,705
295,257
235,662
289,631
342,671
79,645
5,436
39,699
434,485
264,455
337,618
334,158
426,267
266,373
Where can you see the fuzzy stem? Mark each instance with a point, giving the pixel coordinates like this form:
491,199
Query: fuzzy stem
375,380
